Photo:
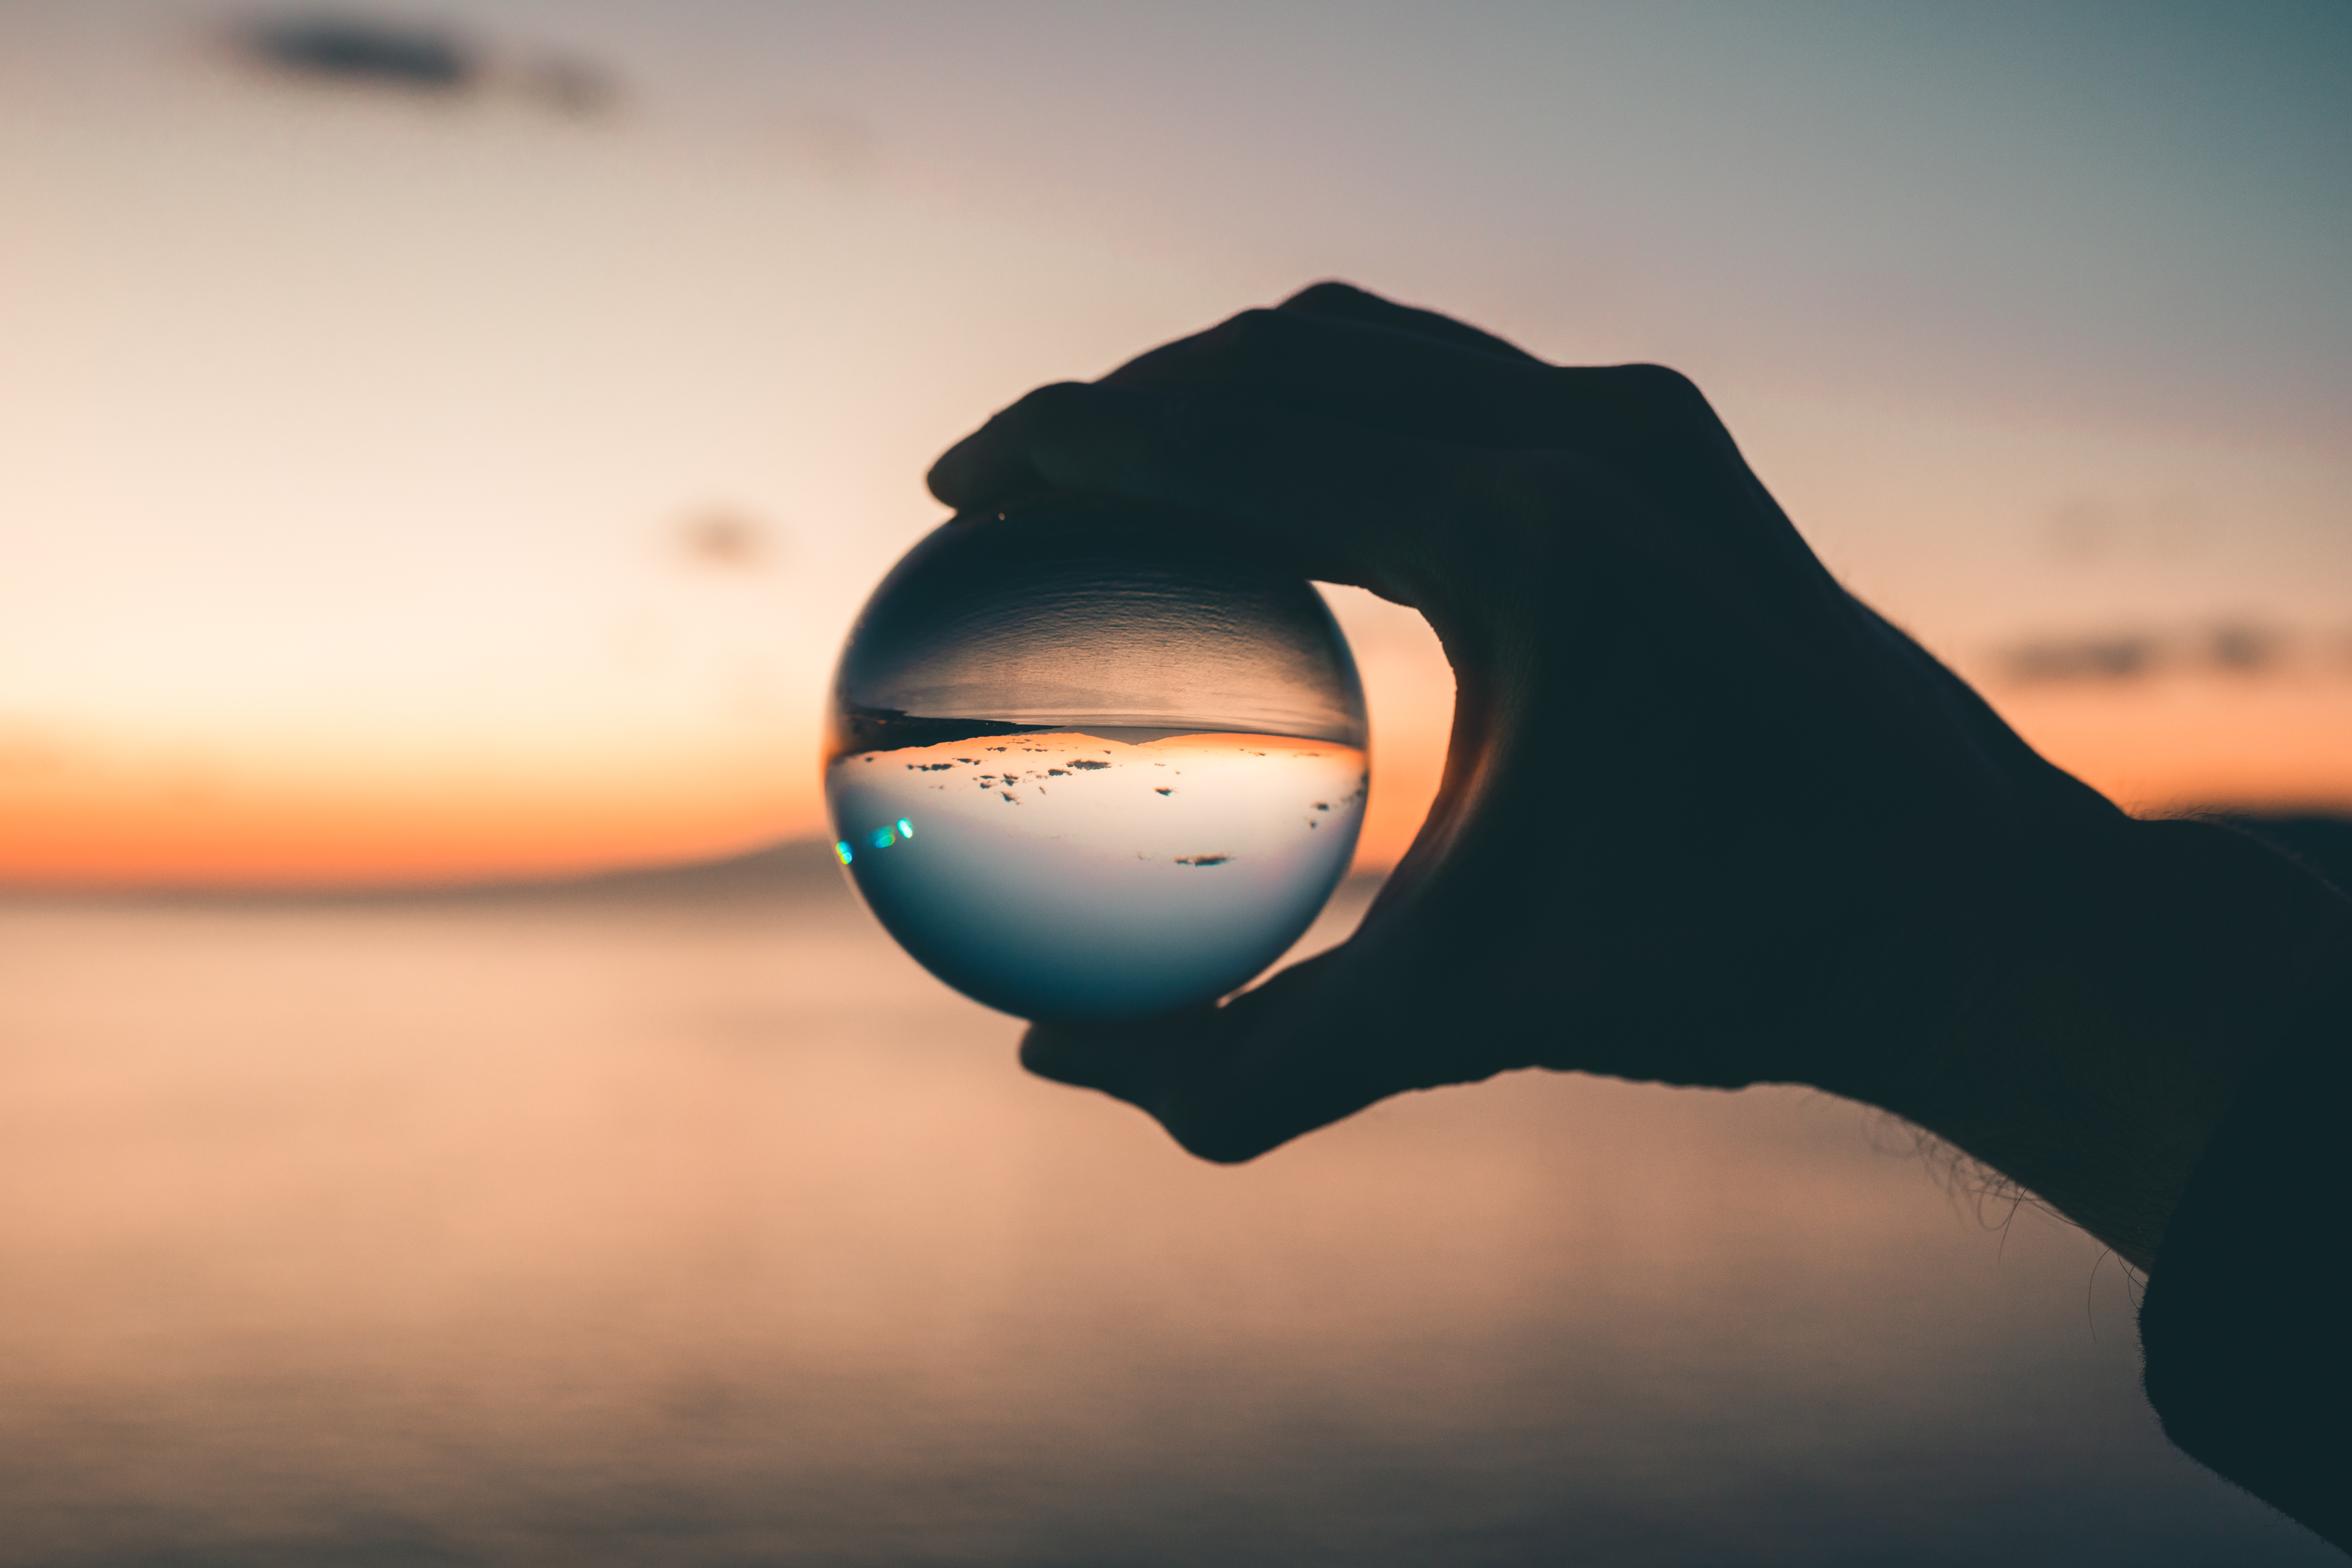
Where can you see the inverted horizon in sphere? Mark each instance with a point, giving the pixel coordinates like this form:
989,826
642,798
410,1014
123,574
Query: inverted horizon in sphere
1078,876
1086,765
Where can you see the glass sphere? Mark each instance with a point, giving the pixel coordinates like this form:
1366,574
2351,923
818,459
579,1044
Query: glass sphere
1086,767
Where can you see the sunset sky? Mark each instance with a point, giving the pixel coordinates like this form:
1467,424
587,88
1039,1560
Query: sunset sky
419,483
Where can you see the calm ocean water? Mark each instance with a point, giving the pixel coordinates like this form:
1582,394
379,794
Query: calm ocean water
661,1230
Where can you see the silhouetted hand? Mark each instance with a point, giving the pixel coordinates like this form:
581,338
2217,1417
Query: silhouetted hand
1707,818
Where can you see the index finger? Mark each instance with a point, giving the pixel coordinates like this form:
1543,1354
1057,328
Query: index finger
1323,499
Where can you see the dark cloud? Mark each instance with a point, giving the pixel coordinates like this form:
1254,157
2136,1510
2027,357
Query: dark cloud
342,50
2230,647
2106,657
2246,649
361,52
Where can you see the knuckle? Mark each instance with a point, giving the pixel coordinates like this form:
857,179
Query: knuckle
1244,342
1656,382
1325,294
1659,395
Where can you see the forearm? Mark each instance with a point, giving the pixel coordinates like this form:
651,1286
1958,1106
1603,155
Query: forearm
2099,999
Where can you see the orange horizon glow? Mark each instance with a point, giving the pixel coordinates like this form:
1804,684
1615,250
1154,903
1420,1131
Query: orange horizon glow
263,839
414,492
2207,743
2165,747
297,832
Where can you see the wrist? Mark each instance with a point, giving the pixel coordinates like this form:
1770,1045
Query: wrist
2079,1006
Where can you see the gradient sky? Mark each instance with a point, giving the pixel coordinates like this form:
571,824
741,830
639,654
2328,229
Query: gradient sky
406,486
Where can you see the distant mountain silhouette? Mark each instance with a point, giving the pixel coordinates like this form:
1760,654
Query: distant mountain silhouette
801,872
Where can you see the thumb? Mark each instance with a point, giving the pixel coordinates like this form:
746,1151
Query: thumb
1319,1042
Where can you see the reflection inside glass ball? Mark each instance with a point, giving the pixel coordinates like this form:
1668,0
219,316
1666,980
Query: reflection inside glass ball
1087,768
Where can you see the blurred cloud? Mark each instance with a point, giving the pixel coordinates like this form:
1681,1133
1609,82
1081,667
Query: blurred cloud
350,50
2107,656
726,541
2233,647
2086,530
357,51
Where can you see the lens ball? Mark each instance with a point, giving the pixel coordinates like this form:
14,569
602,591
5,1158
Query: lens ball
1087,766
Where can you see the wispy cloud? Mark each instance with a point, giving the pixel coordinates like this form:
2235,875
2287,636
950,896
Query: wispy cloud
2237,647
346,50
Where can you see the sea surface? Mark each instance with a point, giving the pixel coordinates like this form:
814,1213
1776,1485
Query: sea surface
691,1223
